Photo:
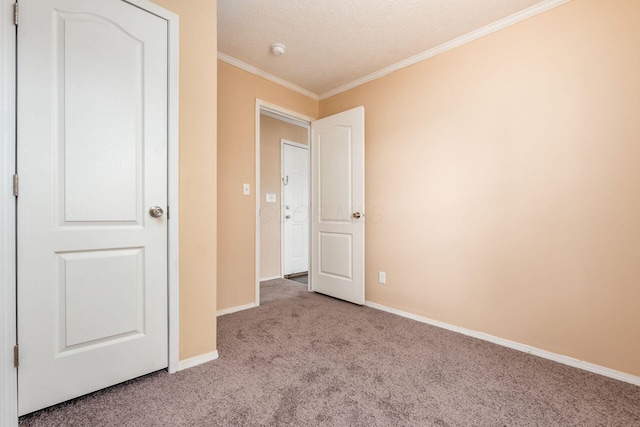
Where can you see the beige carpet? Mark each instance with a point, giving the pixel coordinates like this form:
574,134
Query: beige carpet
305,359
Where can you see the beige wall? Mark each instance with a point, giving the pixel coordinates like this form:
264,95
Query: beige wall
271,132
503,183
237,93
198,44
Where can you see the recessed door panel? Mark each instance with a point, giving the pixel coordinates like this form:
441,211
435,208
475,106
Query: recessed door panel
101,296
335,146
336,251
100,69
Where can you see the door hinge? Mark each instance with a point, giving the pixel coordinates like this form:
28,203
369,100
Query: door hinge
168,213
16,356
15,13
16,184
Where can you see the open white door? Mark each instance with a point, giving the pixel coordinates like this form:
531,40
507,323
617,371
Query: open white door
295,208
92,159
337,230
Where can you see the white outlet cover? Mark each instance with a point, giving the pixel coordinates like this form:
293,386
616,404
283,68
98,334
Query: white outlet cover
271,198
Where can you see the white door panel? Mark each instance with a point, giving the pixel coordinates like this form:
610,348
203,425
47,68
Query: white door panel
295,200
102,145
336,255
92,159
100,296
337,235
334,173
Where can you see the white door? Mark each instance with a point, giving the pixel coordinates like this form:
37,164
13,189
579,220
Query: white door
337,231
295,208
92,160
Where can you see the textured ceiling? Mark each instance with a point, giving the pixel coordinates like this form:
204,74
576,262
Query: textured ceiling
331,43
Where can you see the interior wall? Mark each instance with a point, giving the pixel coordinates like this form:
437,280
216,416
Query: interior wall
271,132
237,93
198,174
503,183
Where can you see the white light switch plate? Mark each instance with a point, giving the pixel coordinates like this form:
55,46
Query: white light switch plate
382,277
246,189
271,198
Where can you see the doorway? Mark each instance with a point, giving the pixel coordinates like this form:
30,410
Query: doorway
275,128
336,204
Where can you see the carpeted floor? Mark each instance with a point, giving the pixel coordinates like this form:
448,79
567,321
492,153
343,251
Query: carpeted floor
305,359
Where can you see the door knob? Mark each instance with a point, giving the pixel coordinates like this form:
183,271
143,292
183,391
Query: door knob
356,215
156,211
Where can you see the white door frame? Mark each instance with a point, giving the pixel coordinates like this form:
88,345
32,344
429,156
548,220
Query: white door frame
284,142
8,374
279,113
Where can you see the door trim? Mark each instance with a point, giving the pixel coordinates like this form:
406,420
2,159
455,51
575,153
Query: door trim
8,374
284,142
288,116
173,165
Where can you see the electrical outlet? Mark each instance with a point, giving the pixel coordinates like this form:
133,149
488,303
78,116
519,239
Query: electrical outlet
382,277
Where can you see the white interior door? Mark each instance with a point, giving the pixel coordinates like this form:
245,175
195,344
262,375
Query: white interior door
92,159
295,208
337,231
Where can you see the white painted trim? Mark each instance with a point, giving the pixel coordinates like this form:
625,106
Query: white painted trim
258,203
198,360
264,279
237,308
293,143
8,374
267,76
295,122
452,44
173,191
281,113
565,360
173,142
289,116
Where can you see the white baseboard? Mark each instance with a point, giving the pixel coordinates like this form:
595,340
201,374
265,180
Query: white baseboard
236,309
566,360
198,360
270,278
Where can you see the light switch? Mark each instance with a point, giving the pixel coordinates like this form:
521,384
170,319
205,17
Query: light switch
271,198
246,189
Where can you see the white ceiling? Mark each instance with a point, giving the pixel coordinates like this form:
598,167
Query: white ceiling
336,44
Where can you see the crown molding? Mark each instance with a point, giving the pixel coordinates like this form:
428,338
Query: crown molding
258,72
444,47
